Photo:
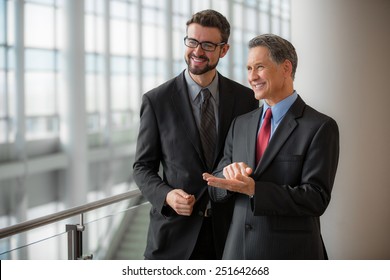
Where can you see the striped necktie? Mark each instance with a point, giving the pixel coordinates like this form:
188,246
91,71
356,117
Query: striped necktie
208,131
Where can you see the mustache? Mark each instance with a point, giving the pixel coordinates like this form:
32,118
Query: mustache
201,57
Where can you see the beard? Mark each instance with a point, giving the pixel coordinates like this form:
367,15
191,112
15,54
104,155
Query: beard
197,70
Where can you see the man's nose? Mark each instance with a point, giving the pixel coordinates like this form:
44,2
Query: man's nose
198,49
252,75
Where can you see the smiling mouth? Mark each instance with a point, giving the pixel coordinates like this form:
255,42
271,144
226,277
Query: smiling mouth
258,86
199,59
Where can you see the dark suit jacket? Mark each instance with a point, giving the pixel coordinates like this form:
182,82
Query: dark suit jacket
169,136
293,184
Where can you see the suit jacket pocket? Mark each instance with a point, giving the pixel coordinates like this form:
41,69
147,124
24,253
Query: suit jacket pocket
292,223
288,158
285,169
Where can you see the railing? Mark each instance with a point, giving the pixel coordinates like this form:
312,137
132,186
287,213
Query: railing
74,231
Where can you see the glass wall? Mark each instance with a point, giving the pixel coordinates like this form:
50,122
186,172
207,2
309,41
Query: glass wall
128,47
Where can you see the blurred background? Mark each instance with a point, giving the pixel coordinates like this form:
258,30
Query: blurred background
72,74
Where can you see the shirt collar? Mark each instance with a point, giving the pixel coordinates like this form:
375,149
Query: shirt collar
194,88
281,108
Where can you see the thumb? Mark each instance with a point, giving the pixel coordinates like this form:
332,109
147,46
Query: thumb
182,193
249,170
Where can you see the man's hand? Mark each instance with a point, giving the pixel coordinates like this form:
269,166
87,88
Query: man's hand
236,179
236,168
180,201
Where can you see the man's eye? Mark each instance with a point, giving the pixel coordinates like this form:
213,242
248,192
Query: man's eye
207,45
192,42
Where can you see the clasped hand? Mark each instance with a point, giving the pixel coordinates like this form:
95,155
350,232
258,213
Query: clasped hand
180,201
236,179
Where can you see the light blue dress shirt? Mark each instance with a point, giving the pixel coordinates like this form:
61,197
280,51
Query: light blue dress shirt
279,110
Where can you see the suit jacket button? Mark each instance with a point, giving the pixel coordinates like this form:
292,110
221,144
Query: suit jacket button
200,213
248,227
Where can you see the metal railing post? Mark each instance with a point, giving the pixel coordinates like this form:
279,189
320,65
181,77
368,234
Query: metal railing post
75,241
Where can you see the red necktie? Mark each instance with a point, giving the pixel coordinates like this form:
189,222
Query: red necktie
264,135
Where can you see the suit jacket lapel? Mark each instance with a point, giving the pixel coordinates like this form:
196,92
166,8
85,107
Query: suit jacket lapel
282,133
181,103
252,137
226,105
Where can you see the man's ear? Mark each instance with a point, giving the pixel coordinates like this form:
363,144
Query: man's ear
224,50
287,67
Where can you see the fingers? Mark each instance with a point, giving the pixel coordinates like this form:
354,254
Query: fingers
241,183
228,184
232,170
181,202
237,180
248,170
206,176
182,193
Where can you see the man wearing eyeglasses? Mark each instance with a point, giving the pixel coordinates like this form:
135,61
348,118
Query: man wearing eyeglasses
183,127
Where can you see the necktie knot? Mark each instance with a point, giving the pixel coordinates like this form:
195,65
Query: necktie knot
205,94
268,115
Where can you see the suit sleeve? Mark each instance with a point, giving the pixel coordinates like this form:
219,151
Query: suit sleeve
218,194
312,196
148,158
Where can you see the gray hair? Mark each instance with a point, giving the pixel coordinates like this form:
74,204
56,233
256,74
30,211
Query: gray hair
279,49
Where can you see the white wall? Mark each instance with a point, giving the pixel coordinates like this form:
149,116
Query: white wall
344,71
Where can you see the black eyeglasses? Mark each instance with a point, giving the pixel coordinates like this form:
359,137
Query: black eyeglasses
206,46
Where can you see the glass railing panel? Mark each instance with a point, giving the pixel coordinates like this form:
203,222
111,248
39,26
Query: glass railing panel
113,232
44,243
106,232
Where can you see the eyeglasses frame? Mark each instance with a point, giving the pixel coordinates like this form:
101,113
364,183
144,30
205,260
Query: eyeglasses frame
200,43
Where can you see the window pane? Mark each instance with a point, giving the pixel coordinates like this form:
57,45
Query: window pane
200,5
11,92
3,130
118,9
47,2
276,26
94,63
264,23
94,34
39,26
134,97
181,6
3,100
2,22
40,59
237,10
95,90
90,34
265,5
119,92
10,24
93,122
40,127
153,3
133,35
119,40
40,94
148,48
11,58
119,65
2,58
251,19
